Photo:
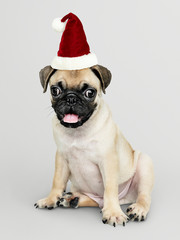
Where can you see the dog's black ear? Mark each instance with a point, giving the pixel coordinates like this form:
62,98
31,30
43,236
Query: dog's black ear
103,74
45,75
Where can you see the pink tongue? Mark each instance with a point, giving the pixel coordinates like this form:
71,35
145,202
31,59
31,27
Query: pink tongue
70,118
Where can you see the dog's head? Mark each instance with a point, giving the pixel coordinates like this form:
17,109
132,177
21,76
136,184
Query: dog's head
75,94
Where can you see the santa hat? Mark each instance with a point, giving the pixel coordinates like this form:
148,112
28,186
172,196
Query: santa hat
74,52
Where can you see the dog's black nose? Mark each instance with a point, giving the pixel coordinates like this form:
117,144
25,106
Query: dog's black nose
71,99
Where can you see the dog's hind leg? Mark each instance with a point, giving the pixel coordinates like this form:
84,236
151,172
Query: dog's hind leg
76,200
143,180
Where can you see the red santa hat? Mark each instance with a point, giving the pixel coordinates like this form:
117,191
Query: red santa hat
74,52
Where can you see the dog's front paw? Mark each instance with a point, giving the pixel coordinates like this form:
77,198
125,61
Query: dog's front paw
136,212
49,202
114,217
68,200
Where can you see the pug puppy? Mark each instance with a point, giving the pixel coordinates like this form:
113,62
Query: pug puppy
92,153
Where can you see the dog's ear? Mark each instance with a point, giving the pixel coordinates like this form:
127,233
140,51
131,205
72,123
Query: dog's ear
103,74
45,75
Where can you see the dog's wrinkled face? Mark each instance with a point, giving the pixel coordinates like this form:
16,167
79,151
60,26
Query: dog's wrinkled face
75,94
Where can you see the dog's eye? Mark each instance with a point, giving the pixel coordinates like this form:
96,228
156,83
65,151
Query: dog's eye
55,91
89,93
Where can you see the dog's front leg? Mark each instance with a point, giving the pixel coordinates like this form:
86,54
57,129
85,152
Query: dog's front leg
61,176
112,213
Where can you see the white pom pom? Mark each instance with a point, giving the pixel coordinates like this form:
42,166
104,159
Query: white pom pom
57,25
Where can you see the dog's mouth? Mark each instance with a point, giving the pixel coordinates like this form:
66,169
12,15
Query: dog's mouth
71,118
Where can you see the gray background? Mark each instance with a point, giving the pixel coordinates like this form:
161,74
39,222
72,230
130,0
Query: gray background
139,41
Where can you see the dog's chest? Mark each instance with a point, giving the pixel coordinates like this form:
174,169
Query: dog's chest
83,157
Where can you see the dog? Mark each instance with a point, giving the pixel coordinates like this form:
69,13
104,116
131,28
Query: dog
103,168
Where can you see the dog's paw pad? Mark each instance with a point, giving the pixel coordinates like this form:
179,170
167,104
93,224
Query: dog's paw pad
49,208
74,202
136,212
68,200
62,202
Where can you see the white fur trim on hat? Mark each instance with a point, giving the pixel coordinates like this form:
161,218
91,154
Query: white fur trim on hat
57,25
74,63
